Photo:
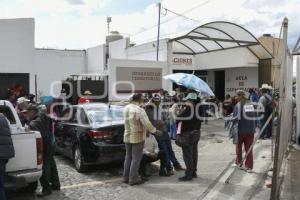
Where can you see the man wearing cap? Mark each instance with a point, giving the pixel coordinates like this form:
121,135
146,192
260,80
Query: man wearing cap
266,101
39,121
136,126
244,114
190,128
22,103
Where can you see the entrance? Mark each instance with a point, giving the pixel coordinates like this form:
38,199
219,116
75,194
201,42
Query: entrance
13,82
220,84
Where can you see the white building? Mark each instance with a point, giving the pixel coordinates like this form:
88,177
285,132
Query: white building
21,63
224,54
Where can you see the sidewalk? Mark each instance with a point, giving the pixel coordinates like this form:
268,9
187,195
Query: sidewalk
291,183
216,154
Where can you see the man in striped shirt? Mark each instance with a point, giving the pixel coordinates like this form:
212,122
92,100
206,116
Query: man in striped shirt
137,124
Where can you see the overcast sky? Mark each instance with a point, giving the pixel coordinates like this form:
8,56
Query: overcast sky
79,24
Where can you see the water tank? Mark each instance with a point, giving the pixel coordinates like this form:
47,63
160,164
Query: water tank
113,36
267,35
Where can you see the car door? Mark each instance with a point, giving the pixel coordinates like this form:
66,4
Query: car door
70,129
83,132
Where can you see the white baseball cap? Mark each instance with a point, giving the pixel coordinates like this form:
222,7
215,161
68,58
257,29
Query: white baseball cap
22,100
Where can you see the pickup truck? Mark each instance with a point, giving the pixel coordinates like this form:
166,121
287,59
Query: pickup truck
25,169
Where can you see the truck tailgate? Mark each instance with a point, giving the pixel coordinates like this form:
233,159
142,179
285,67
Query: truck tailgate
25,152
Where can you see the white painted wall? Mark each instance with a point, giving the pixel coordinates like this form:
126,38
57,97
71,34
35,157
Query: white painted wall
226,59
117,48
17,47
96,59
114,63
232,82
148,51
57,65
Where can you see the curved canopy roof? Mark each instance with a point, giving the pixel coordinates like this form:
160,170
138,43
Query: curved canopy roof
216,36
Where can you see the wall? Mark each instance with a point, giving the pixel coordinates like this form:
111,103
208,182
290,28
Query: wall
238,57
120,50
240,78
114,63
117,49
96,59
148,51
17,47
57,65
274,46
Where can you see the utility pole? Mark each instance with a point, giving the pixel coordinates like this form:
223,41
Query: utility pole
158,31
108,19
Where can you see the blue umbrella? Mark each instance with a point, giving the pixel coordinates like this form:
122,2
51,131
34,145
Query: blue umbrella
190,81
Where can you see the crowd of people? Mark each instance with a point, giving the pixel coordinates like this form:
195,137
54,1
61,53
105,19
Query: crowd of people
34,117
151,122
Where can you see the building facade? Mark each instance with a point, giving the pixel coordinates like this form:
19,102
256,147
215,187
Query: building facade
224,55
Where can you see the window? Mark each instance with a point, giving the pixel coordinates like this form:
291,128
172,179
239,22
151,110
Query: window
8,114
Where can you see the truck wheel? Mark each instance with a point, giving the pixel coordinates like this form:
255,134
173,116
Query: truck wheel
78,160
31,187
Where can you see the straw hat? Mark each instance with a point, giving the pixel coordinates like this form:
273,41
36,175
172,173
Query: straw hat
266,86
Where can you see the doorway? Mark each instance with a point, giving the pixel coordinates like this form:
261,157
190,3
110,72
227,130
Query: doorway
220,84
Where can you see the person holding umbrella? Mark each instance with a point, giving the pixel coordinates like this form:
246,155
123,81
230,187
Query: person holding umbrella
190,128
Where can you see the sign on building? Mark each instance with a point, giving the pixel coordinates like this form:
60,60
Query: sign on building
240,78
142,79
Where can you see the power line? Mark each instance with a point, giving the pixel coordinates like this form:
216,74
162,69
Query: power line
177,15
162,36
186,11
181,15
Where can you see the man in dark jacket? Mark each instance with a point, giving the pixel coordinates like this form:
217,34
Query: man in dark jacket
39,121
6,151
190,128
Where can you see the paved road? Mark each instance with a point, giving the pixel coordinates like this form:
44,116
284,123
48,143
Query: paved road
104,182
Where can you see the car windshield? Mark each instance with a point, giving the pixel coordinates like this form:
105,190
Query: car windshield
105,114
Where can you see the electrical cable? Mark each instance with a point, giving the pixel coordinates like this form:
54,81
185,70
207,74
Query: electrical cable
177,15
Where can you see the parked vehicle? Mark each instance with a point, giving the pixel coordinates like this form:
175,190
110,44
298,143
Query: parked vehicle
25,169
92,134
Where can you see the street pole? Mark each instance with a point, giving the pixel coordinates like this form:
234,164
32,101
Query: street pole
158,31
35,87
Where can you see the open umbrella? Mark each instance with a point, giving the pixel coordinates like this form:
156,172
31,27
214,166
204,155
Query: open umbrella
190,81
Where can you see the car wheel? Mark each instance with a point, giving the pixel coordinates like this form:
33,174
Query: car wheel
31,187
78,160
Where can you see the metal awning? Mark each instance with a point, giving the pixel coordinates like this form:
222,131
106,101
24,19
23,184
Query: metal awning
217,36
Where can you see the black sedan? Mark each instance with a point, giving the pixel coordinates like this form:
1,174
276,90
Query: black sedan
92,134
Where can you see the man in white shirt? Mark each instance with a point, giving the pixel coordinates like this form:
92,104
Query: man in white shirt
151,153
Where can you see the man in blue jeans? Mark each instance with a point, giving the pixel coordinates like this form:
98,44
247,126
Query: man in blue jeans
158,119
6,151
